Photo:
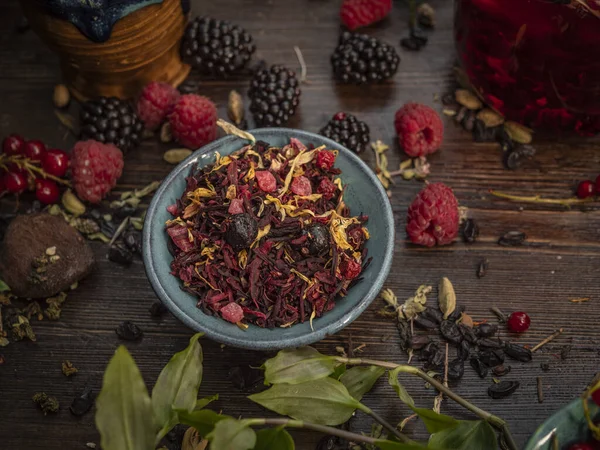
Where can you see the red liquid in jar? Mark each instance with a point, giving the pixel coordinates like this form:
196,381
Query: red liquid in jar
535,61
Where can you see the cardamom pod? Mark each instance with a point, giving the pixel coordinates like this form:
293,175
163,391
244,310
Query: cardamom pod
166,135
490,118
72,204
446,297
176,155
235,107
518,132
467,99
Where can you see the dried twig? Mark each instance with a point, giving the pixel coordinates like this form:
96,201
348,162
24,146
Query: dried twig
548,339
437,403
538,199
540,390
119,230
302,63
580,299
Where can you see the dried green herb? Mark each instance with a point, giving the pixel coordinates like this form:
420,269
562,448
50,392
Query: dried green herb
446,297
68,368
133,198
53,310
46,403
411,307
21,328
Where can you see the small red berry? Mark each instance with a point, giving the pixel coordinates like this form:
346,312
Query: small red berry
339,116
596,396
325,158
586,189
581,446
518,322
56,162
15,182
13,144
35,150
2,185
598,184
46,191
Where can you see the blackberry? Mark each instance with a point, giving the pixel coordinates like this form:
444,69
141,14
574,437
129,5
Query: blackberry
111,121
216,47
347,130
274,95
361,59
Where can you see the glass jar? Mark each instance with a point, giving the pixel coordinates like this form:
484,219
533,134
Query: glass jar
534,61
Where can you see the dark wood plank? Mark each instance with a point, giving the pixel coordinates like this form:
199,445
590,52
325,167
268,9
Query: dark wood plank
559,262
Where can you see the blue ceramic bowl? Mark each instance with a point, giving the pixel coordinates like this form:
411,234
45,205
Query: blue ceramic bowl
364,194
568,424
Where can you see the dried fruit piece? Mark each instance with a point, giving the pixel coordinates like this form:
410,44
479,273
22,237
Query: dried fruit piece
518,132
467,99
503,389
61,96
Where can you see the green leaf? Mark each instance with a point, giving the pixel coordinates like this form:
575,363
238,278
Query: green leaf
177,385
433,421
203,420
295,366
202,402
338,372
400,390
390,445
123,408
466,435
274,438
232,434
360,380
325,401
4,287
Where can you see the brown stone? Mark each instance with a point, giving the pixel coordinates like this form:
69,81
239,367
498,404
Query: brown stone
41,255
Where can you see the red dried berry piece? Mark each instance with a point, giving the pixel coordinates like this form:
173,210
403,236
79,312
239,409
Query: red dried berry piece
596,396
356,236
34,150
194,121
327,188
433,216
518,322
15,182
598,185
339,116
155,103
232,312
55,162
420,129
581,446
46,191
266,181
2,185
236,206
360,13
350,268
586,189
301,186
13,144
326,158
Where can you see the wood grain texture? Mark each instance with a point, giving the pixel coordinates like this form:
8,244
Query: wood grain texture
560,261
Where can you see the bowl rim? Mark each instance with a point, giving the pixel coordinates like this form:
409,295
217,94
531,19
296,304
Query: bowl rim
273,343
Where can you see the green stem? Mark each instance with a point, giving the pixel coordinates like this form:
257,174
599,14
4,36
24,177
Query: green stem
490,418
386,425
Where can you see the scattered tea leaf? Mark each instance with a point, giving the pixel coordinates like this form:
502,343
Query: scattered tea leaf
128,331
83,403
360,380
47,403
232,434
446,297
176,155
68,368
512,239
274,438
503,389
295,366
399,388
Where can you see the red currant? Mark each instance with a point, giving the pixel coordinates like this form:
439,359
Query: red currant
13,144
581,446
598,184
46,191
35,150
15,182
2,185
55,162
586,189
518,322
596,396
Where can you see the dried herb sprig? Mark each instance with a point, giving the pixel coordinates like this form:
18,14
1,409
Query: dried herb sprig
539,199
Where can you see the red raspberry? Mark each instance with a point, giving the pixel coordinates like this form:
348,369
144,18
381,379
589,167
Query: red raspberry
433,216
420,129
359,13
325,159
232,312
350,268
327,188
46,191
194,121
155,103
266,181
301,186
95,167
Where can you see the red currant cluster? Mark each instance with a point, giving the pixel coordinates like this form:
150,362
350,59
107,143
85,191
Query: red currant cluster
588,188
29,165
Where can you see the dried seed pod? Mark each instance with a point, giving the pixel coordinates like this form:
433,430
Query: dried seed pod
470,231
518,352
518,132
451,332
501,370
61,96
446,297
490,118
176,155
235,107
479,367
72,203
503,389
512,239
467,99
166,134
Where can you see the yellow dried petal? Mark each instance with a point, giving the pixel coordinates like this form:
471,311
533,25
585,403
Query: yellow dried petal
338,183
231,192
313,314
199,193
261,233
177,220
366,233
302,158
191,210
301,276
260,161
251,173
243,258
337,229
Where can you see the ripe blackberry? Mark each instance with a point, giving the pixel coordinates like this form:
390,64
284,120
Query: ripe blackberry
274,95
111,121
360,59
347,130
216,47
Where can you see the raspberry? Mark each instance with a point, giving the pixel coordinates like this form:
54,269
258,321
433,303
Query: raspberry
301,186
95,168
327,188
359,13
420,129
194,121
155,103
266,181
433,216
232,312
326,160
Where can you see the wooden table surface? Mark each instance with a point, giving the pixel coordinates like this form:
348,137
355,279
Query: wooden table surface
560,261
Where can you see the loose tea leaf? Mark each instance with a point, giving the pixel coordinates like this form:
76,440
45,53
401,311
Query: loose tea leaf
491,358
451,332
274,438
456,369
466,435
518,352
512,239
295,366
68,368
123,407
245,377
176,155
479,366
360,380
486,330
503,389
400,390
232,434
446,297
470,231
128,331
82,404
324,401
47,403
